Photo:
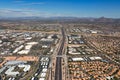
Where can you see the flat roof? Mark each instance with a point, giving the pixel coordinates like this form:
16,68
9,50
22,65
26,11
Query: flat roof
77,59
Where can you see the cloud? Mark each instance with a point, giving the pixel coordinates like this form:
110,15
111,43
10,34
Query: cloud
16,13
20,2
25,13
39,3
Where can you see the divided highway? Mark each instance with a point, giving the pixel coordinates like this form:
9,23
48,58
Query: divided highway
58,70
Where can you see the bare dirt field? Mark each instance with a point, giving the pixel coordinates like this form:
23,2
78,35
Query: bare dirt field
21,58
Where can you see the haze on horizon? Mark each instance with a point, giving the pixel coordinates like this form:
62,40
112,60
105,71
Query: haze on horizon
60,8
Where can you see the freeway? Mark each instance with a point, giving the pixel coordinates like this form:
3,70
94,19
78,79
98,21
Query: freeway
58,70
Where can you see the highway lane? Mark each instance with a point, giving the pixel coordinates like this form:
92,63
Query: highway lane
58,70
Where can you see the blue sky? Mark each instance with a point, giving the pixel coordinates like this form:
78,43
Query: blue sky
51,8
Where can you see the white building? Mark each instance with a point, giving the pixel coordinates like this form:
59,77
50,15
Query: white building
10,71
26,67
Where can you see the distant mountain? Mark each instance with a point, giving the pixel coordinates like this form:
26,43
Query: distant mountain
103,19
64,19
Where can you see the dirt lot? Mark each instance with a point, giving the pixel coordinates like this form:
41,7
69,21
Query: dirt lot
21,58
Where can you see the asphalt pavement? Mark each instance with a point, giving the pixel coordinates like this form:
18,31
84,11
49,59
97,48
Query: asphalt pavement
58,70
